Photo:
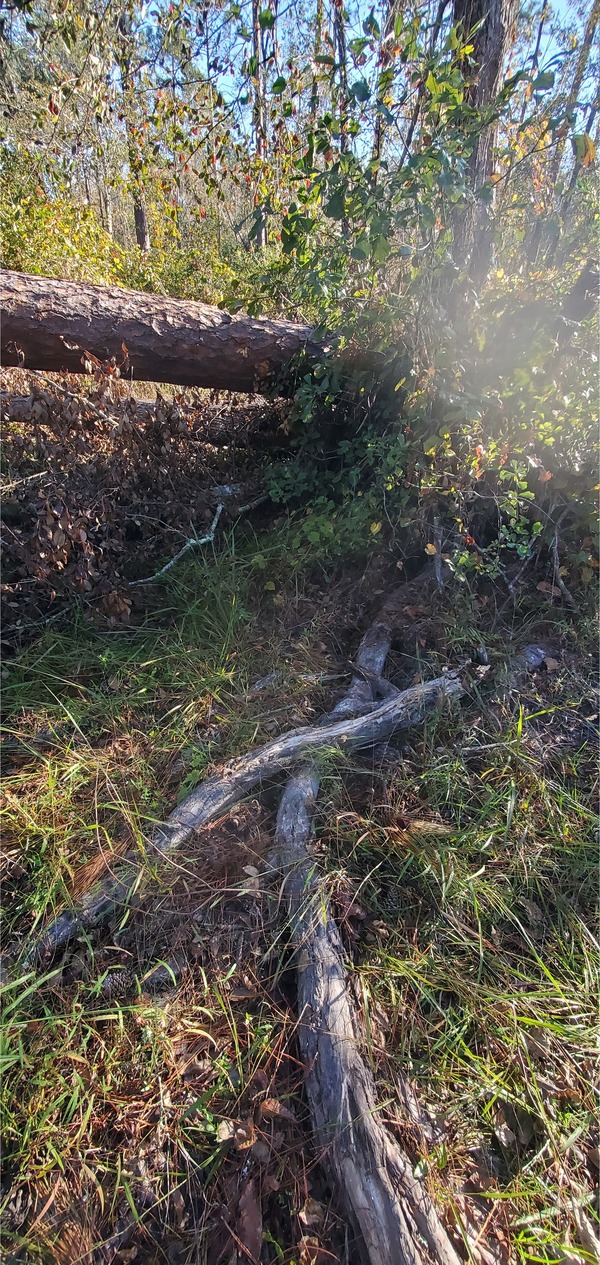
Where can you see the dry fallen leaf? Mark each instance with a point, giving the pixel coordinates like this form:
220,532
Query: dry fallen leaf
312,1214
225,1131
544,586
552,664
271,1108
505,1136
249,1221
244,1135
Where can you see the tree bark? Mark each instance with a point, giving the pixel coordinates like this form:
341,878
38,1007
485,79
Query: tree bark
578,77
491,43
339,36
317,50
260,109
49,325
386,60
142,234
130,87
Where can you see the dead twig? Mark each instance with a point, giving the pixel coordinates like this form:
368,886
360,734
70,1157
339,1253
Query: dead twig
557,578
192,543
438,561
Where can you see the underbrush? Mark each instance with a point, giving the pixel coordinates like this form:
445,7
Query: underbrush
163,1114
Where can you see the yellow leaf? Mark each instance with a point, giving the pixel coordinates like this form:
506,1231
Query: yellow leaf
590,151
375,527
431,549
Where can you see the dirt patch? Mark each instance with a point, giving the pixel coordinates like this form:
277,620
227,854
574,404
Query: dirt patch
101,488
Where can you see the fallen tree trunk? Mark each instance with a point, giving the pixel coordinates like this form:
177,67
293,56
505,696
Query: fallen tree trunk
51,325
224,789
391,1209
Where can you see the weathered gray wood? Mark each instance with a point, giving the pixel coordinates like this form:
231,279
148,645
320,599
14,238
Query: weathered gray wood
218,793
390,1207
48,324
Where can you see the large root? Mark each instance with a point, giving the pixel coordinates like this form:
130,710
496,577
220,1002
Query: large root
389,1206
392,1209
224,789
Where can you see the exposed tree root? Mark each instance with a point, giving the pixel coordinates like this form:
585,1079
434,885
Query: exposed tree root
390,1207
218,793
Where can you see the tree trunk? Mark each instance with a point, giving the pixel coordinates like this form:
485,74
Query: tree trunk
317,50
384,83
142,235
51,324
341,52
578,77
129,88
260,109
491,43
538,231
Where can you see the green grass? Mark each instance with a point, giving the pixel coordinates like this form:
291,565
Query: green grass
475,960
487,969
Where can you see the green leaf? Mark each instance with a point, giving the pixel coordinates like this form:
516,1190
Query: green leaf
380,250
371,25
335,207
279,86
358,46
361,250
325,59
266,20
360,90
544,81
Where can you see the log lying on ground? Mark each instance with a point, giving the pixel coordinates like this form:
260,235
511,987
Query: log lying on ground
390,1207
224,789
49,325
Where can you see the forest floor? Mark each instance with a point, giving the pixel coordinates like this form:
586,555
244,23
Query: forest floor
159,1115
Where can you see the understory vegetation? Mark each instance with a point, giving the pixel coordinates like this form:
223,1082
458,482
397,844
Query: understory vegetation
462,868
188,574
